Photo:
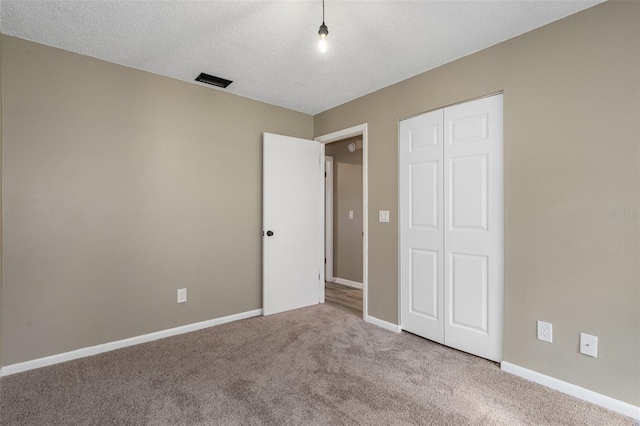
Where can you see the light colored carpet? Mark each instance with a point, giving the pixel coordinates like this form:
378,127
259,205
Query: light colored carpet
313,366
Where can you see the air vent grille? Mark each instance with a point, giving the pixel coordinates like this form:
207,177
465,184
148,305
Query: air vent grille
213,80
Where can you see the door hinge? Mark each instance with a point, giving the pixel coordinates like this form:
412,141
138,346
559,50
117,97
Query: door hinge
325,260
325,174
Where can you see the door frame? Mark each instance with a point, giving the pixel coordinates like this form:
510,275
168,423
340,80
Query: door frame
328,267
359,130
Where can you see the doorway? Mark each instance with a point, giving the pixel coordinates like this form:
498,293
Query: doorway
345,225
343,219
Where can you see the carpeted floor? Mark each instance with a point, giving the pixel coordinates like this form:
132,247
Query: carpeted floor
313,366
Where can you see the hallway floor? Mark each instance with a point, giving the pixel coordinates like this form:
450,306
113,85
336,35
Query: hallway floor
343,297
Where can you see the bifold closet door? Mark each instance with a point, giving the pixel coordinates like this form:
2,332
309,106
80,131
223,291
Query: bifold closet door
422,225
473,237
468,307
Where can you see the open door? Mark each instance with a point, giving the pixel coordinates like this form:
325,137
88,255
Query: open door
292,247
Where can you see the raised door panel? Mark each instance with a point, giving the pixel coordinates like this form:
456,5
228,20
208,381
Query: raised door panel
424,182
422,136
468,278
423,286
468,197
468,129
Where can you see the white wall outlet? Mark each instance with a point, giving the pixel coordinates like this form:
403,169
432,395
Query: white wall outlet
589,345
350,214
182,295
383,215
545,331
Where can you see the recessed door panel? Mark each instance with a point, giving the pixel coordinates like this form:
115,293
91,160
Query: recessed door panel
468,129
423,136
468,197
424,194
468,286
424,283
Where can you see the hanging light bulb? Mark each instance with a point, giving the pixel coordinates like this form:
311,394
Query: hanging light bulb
324,32
322,44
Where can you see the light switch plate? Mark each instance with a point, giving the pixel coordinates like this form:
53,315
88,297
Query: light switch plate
350,214
589,345
182,295
383,215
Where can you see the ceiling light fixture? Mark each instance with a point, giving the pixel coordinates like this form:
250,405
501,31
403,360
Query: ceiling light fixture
324,32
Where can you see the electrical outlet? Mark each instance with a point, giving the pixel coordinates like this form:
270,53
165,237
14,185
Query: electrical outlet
182,295
545,331
589,345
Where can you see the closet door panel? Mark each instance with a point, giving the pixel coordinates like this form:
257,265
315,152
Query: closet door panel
421,225
473,229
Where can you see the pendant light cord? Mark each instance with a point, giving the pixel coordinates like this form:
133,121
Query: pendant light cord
323,12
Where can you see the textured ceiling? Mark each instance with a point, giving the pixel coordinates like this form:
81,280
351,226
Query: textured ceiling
269,47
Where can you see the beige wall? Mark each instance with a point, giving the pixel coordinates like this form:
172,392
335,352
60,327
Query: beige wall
571,108
120,187
340,151
347,195
348,232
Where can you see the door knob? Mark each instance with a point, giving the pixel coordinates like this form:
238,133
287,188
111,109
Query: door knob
269,233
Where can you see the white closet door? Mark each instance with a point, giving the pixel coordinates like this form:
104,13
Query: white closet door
421,225
473,237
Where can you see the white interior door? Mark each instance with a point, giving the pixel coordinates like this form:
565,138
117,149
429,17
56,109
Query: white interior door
474,235
451,226
292,209
421,225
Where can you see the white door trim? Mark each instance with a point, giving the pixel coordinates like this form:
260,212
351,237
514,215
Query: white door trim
360,129
328,267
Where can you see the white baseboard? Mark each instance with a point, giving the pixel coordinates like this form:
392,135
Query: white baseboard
106,347
384,324
348,283
573,390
